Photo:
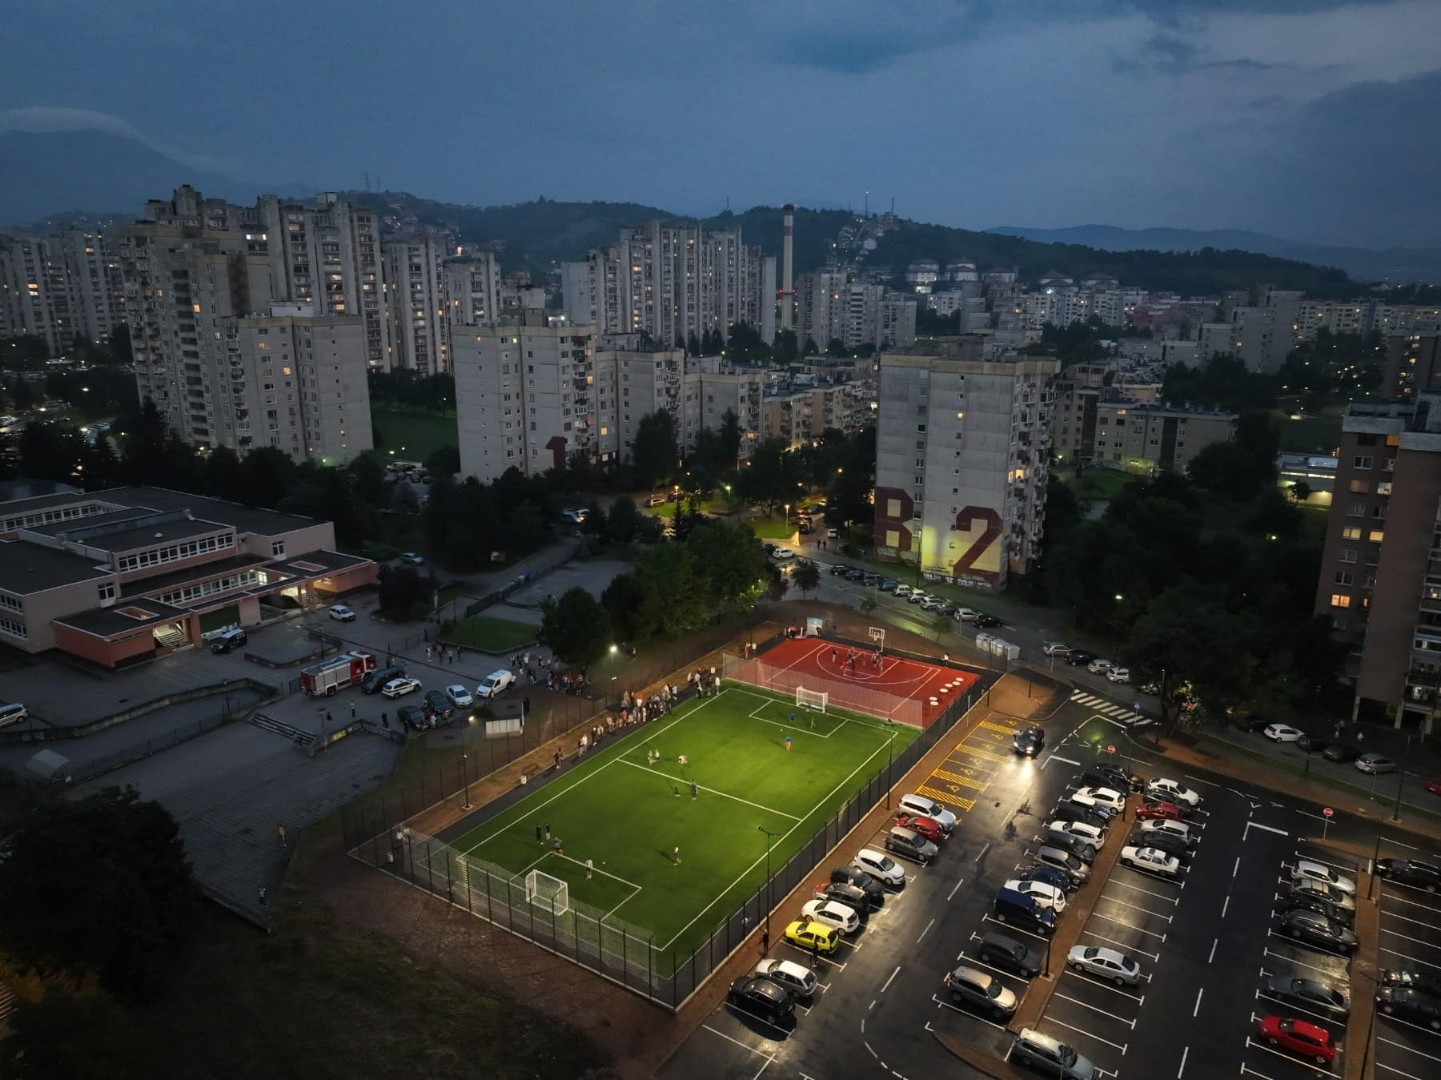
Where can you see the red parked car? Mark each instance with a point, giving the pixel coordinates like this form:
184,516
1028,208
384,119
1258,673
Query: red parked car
1158,811
1299,1037
1434,785
927,827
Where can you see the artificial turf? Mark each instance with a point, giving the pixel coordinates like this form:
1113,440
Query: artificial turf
628,815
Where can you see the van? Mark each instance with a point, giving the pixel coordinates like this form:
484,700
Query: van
924,807
1022,911
1077,872
372,683
909,844
12,714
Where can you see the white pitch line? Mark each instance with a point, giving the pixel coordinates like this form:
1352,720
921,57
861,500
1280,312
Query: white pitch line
713,791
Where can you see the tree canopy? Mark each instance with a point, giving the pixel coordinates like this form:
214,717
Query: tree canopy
576,627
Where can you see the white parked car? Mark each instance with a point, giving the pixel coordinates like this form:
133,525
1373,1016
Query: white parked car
1105,963
782,554
341,613
459,696
1282,732
798,979
1099,666
1171,828
1099,798
924,807
965,614
881,867
933,603
1080,830
832,913
495,682
1375,763
1173,791
1151,860
1043,893
1055,648
412,558
903,591
400,687
1306,870
1119,675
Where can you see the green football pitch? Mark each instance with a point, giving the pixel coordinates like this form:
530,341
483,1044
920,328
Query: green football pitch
627,814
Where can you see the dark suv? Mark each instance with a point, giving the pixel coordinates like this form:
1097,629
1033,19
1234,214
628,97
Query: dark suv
1008,953
231,639
849,875
1409,1005
1113,777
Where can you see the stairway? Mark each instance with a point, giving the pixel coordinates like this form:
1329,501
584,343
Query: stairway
280,727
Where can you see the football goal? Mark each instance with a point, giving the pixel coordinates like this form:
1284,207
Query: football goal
811,699
547,892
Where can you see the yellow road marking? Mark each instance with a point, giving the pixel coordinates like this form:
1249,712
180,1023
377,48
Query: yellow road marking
991,725
984,755
947,797
964,781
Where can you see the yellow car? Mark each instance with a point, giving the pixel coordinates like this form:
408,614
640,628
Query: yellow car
813,936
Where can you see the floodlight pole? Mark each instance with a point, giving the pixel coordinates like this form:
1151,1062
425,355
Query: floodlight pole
465,775
890,758
770,836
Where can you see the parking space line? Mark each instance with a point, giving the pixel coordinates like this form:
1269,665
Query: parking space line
1010,928
1323,862
1083,1031
1087,1005
1101,983
1385,896
1392,1068
1137,907
1407,918
1153,957
1408,956
1404,937
1274,1053
1416,1027
759,1053
1291,960
1128,926
1148,892
1409,1049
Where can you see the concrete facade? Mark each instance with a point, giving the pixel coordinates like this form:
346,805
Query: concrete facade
962,461
1144,438
1413,366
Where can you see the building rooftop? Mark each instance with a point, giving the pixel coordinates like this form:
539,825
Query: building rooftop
33,568
202,572
148,532
248,519
110,621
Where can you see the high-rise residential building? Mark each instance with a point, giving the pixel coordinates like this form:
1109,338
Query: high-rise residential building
97,289
833,308
1265,325
672,280
35,298
528,396
962,460
649,381
1380,582
1139,437
1413,366
471,285
226,361
415,298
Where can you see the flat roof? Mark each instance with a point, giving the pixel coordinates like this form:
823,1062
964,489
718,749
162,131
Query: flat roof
148,533
75,525
311,563
250,519
31,568
202,572
123,617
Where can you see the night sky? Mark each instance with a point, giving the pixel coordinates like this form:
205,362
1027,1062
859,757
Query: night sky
1313,119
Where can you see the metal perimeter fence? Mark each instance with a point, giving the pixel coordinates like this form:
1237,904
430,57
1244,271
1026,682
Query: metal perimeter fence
620,953
900,708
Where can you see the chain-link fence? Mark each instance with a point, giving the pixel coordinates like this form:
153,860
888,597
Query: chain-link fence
378,835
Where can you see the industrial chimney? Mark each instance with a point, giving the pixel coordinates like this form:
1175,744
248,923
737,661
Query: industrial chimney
788,285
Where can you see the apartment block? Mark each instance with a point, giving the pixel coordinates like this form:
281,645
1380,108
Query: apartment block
529,396
35,297
122,576
1145,438
415,300
832,308
1380,580
962,459
93,280
227,362
1412,366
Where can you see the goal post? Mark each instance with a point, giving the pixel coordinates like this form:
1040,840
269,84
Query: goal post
545,891
878,635
812,699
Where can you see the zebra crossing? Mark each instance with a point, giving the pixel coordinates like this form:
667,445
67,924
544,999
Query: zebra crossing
1110,710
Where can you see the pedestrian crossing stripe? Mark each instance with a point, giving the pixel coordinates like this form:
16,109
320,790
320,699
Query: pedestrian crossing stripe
1110,708
963,781
946,797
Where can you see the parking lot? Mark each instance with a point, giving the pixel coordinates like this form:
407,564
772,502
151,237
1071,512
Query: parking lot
1410,940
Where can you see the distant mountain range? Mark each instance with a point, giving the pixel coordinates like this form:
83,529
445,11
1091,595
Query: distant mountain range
90,177
1395,266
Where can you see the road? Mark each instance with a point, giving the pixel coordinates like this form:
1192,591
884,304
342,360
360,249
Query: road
1205,943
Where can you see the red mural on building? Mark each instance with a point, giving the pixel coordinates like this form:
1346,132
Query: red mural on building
895,509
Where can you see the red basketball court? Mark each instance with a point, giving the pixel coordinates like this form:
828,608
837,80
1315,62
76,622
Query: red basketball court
892,687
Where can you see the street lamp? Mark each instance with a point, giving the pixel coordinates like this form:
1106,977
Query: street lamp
465,775
788,515
770,836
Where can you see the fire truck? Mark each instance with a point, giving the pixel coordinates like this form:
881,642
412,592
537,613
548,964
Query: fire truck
337,673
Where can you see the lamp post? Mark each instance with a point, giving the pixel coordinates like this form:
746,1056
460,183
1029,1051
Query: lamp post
465,775
788,515
770,836
890,757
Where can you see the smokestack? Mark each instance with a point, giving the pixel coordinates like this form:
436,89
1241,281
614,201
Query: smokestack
788,291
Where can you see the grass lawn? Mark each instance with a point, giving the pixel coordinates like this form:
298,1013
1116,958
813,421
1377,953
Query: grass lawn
490,635
774,528
413,436
1096,483
1312,435
624,813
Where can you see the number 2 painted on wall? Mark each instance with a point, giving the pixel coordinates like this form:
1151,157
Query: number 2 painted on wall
964,520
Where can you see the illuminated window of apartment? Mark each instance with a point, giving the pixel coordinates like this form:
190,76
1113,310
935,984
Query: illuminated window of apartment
1351,532
1377,535
1360,487
1340,600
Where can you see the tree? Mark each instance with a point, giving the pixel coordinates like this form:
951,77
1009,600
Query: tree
675,597
692,344
731,562
835,347
728,439
623,519
1227,470
653,452
125,919
70,1036
806,577
402,589
622,600
576,627
444,461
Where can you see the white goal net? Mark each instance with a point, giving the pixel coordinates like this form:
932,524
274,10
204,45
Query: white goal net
811,699
547,892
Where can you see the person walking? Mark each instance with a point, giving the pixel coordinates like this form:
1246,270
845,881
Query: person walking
788,744
589,869
352,712
263,901
538,838
385,721
675,855
765,942
280,833
694,791
547,830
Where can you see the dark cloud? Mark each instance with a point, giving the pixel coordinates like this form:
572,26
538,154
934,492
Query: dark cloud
1359,165
851,53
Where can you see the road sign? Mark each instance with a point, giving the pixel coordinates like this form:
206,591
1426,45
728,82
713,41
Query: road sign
1110,749
1328,811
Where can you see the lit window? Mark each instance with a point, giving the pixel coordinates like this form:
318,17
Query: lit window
1340,600
1377,535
